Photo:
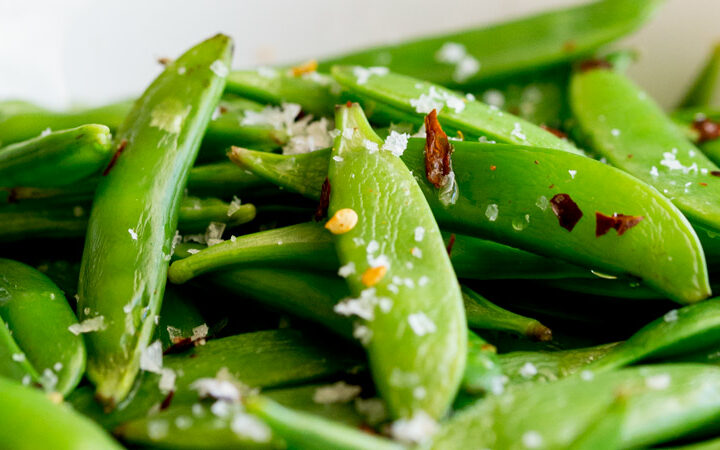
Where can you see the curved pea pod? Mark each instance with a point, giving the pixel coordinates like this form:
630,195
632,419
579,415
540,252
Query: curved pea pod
13,362
62,428
526,44
415,98
316,93
624,125
303,430
664,402
196,213
56,159
681,331
135,213
419,305
43,325
20,121
505,194
483,314
222,179
263,359
705,90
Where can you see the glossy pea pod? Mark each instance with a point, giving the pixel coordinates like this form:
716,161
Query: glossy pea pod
56,159
130,229
62,428
623,124
664,402
505,194
523,45
413,98
41,321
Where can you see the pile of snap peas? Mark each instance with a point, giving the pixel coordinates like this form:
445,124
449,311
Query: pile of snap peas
486,239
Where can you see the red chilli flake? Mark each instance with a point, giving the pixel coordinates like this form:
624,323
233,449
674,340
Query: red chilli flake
707,129
167,400
321,210
179,345
437,151
554,131
451,243
715,173
566,210
120,149
592,64
620,222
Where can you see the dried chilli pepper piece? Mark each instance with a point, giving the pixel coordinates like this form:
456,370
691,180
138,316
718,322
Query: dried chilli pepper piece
566,210
620,222
437,151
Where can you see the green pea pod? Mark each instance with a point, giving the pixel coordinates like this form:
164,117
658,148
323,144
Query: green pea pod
705,90
20,121
303,398
710,444
179,318
13,362
262,359
625,126
62,428
196,426
606,432
415,98
302,430
483,373
664,402
56,159
26,221
523,45
681,331
316,93
135,212
28,299
483,314
618,288
223,179
512,205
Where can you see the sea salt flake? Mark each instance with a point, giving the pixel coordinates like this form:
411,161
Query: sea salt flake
363,74
417,429
88,325
421,324
151,358
396,143
339,392
658,382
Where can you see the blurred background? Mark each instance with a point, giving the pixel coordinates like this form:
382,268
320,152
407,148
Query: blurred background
84,52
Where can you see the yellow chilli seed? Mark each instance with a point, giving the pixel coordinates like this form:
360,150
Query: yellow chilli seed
373,275
343,221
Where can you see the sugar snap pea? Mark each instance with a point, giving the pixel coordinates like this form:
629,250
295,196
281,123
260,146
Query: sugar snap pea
56,159
414,301
504,194
414,98
62,428
522,45
35,310
664,402
197,213
130,230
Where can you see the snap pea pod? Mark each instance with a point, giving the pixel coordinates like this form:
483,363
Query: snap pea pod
28,299
483,373
262,359
302,430
705,90
618,288
135,213
13,363
26,221
504,195
521,45
20,121
483,314
606,432
389,207
414,98
681,331
624,125
179,318
62,428
316,93
664,402
56,159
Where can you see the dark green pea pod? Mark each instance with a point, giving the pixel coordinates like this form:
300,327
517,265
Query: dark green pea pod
499,50
705,90
179,318
316,93
43,325
618,288
664,402
56,159
223,179
623,124
483,314
196,426
504,194
415,98
20,121
135,213
681,331
262,359
62,428
25,221
303,430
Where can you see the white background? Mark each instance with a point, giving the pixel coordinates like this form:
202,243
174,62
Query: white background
62,53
